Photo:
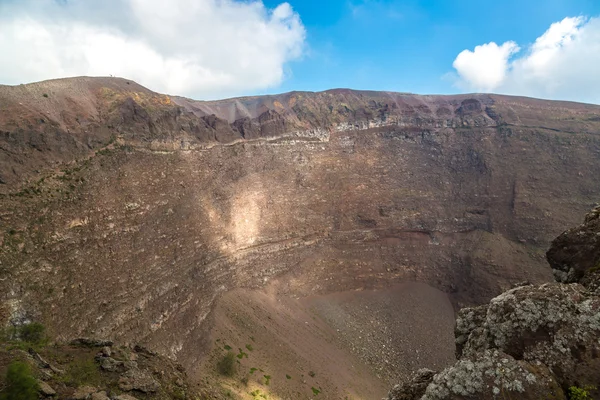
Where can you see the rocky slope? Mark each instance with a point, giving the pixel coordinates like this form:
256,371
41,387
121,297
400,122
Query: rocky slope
89,369
530,342
127,214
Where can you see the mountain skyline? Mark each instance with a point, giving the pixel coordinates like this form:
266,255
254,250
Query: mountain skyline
206,49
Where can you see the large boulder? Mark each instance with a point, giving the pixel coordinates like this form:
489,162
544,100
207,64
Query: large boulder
136,379
531,342
493,374
555,324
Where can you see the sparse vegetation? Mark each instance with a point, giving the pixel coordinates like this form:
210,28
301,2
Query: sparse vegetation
257,394
34,333
242,354
178,394
267,379
20,383
45,95
287,376
82,372
595,268
226,365
249,347
311,374
103,152
578,393
315,390
25,336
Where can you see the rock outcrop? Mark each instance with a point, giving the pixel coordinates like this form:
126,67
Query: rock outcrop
79,371
575,255
530,342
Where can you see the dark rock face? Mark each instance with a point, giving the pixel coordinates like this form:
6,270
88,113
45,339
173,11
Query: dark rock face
576,252
419,382
530,342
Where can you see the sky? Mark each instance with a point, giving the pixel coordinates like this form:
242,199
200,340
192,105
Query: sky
210,49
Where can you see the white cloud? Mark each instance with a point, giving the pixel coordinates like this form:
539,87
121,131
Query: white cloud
199,48
485,67
560,64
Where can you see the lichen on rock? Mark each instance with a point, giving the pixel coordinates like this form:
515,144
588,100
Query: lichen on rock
530,342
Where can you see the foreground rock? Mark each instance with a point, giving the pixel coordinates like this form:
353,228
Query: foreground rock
530,342
78,371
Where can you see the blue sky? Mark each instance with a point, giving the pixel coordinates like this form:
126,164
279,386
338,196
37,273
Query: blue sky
410,45
210,49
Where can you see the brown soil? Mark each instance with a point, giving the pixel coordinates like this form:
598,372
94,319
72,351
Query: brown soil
350,345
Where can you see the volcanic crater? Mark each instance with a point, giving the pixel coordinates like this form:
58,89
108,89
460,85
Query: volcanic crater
326,239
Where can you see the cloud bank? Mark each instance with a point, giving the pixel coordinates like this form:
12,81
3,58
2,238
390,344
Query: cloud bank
199,48
563,63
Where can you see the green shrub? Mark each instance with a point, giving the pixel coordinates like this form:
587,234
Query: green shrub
242,354
20,383
227,364
577,393
32,333
45,95
267,379
25,336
